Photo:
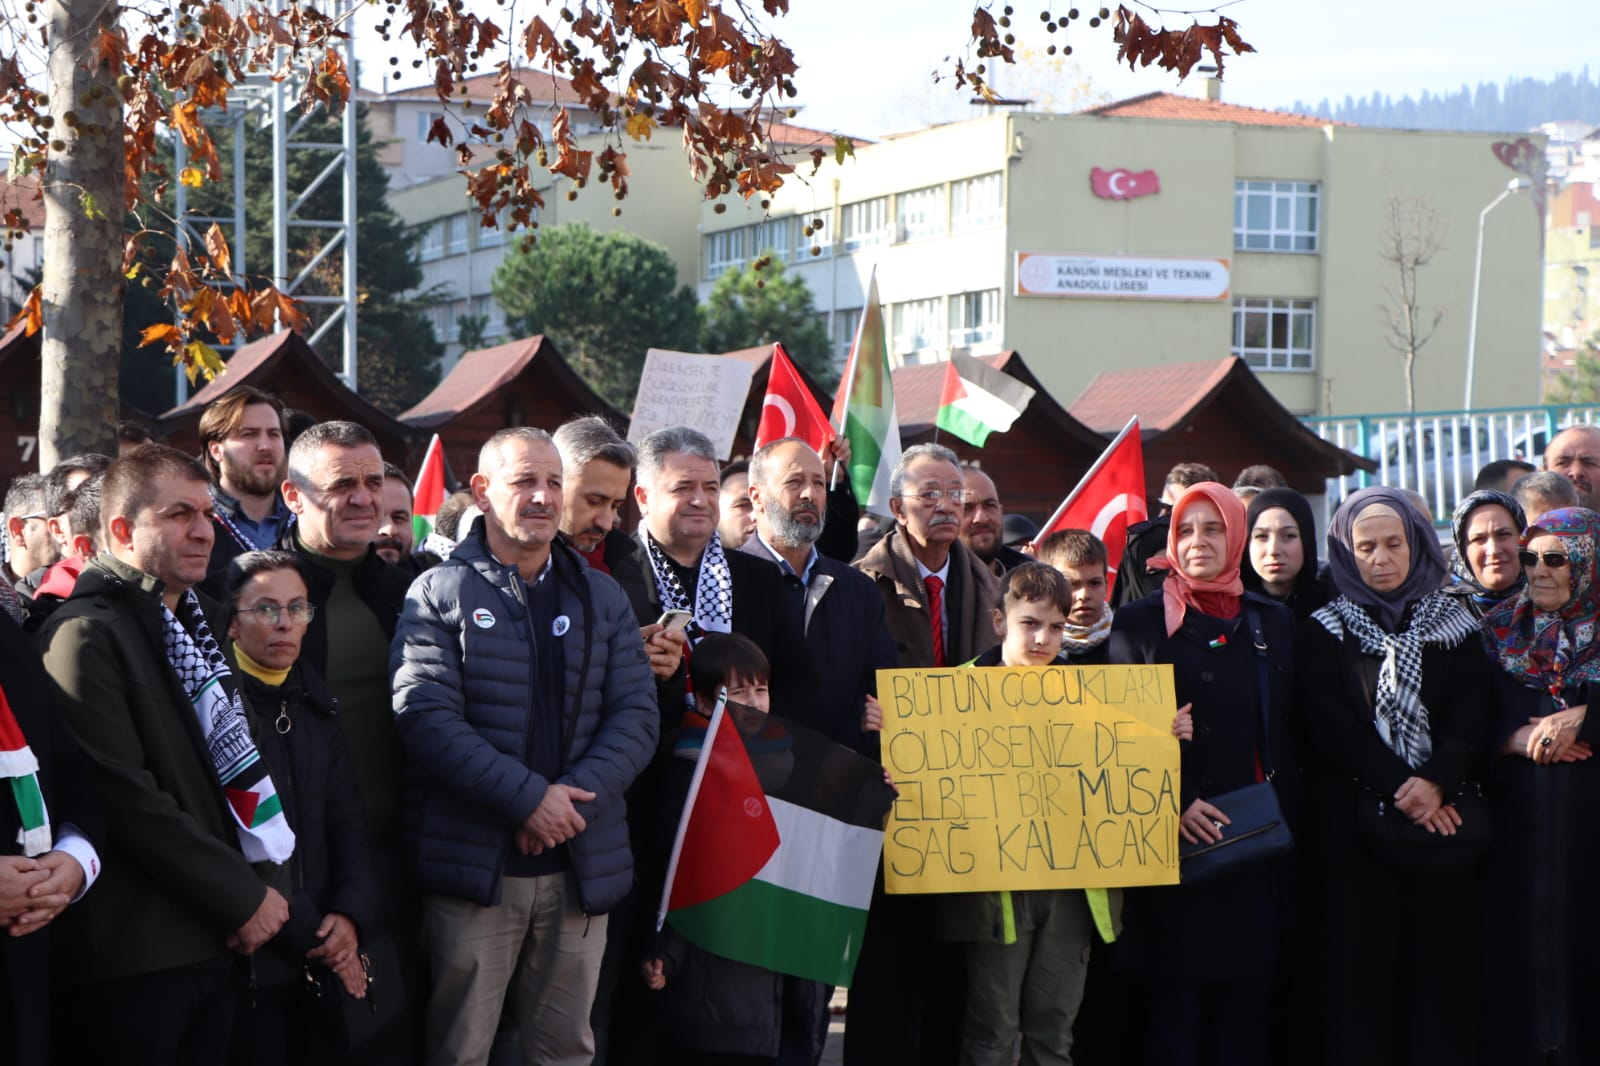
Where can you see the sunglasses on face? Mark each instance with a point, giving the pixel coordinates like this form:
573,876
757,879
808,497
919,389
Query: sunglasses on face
1554,560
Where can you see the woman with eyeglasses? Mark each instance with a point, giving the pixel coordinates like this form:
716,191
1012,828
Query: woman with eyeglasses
1207,953
1545,785
1485,571
328,880
1395,702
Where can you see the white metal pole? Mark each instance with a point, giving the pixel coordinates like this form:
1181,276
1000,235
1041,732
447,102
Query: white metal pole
1514,185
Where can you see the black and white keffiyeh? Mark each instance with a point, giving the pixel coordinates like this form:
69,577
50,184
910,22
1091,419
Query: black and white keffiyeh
264,833
712,605
1401,717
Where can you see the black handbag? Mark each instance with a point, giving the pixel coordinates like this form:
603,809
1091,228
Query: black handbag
1395,840
345,1023
1257,831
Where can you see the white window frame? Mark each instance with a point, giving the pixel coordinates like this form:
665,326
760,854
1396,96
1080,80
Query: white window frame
1283,231
846,320
919,214
917,327
455,235
1273,355
725,251
866,224
975,319
977,203
431,247
774,235
823,238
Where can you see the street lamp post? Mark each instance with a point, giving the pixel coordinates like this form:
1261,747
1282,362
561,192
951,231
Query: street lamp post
1515,185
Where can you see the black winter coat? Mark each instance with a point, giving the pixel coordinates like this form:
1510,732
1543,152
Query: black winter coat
1227,929
331,869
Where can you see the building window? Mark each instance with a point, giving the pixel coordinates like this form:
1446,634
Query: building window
491,237
1276,216
866,224
821,237
845,324
917,328
919,214
425,121
1275,334
975,319
725,251
455,235
431,246
975,203
488,308
774,236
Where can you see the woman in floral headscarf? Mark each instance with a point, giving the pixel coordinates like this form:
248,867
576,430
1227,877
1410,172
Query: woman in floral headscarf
1485,572
1544,874
1208,951
1395,697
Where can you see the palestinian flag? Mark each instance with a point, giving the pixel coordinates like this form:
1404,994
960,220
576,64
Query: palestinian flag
430,494
863,410
777,847
20,766
979,400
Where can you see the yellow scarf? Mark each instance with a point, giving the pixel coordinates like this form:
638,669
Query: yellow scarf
265,674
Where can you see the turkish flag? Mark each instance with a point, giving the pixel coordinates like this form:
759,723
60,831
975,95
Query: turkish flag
1109,499
1123,184
789,409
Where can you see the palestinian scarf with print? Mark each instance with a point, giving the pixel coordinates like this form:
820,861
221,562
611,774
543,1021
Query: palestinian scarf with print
1554,649
712,605
264,833
1080,639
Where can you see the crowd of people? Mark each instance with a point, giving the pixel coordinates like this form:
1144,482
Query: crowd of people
287,786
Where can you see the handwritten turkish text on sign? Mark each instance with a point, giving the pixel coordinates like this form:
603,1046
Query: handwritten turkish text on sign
1121,277
1030,778
704,392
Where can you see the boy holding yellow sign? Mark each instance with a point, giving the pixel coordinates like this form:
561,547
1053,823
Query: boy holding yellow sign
1027,952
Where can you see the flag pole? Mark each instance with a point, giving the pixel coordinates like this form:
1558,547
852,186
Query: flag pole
688,804
1093,470
850,370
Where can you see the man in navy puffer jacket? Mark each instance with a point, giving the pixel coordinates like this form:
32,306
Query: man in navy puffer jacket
526,704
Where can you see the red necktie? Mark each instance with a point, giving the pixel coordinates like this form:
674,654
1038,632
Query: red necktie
936,614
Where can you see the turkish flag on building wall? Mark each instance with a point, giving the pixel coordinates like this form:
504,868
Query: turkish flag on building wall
789,409
1109,499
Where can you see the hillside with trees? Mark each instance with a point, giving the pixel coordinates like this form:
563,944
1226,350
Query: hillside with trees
1519,104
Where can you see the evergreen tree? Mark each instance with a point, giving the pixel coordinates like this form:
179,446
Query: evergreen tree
748,308
397,351
604,299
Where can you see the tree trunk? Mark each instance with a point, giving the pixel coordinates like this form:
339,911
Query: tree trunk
85,203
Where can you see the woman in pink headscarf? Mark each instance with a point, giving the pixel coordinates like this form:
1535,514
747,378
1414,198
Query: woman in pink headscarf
1208,952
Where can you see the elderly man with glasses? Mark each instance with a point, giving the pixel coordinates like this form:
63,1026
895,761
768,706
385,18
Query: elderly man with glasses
939,600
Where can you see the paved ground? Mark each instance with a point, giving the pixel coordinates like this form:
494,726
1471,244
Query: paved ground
833,1051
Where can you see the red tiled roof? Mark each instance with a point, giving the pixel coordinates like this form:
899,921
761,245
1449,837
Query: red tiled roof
1162,396
1194,109
477,375
789,135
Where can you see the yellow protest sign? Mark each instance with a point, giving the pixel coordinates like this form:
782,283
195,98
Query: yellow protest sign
1030,778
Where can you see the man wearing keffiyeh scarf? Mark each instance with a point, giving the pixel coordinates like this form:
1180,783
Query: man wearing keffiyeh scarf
178,900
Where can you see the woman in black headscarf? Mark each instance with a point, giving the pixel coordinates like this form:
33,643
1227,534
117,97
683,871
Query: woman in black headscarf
1485,572
1280,556
1395,694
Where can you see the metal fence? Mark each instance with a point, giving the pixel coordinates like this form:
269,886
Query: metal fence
1439,453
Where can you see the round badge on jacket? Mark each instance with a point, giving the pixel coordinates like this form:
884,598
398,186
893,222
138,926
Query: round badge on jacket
560,626
483,618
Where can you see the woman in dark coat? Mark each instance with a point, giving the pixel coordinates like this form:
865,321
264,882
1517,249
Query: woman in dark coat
1208,952
1543,875
1394,686
328,881
1280,558
1485,572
